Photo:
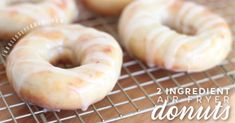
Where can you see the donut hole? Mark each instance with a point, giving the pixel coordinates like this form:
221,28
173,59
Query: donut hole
64,58
185,29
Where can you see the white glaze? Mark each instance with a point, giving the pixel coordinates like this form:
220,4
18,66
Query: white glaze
181,14
188,16
172,50
99,77
162,37
134,25
26,16
151,46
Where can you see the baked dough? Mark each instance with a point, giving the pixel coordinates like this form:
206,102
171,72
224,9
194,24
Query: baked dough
30,66
107,7
18,17
174,34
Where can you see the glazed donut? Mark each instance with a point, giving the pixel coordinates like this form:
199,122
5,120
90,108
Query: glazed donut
175,35
30,66
107,7
17,15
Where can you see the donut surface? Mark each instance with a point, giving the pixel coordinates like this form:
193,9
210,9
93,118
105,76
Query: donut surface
175,35
30,68
17,15
107,7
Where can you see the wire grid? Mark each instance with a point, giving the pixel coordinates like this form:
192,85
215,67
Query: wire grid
136,90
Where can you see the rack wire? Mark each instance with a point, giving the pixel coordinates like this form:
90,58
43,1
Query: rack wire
136,90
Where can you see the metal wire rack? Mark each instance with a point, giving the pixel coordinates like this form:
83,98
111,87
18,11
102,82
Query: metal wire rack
136,90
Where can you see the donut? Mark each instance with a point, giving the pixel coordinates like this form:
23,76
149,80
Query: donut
106,7
96,58
17,16
175,35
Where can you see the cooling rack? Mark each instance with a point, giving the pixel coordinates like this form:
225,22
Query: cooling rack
136,90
